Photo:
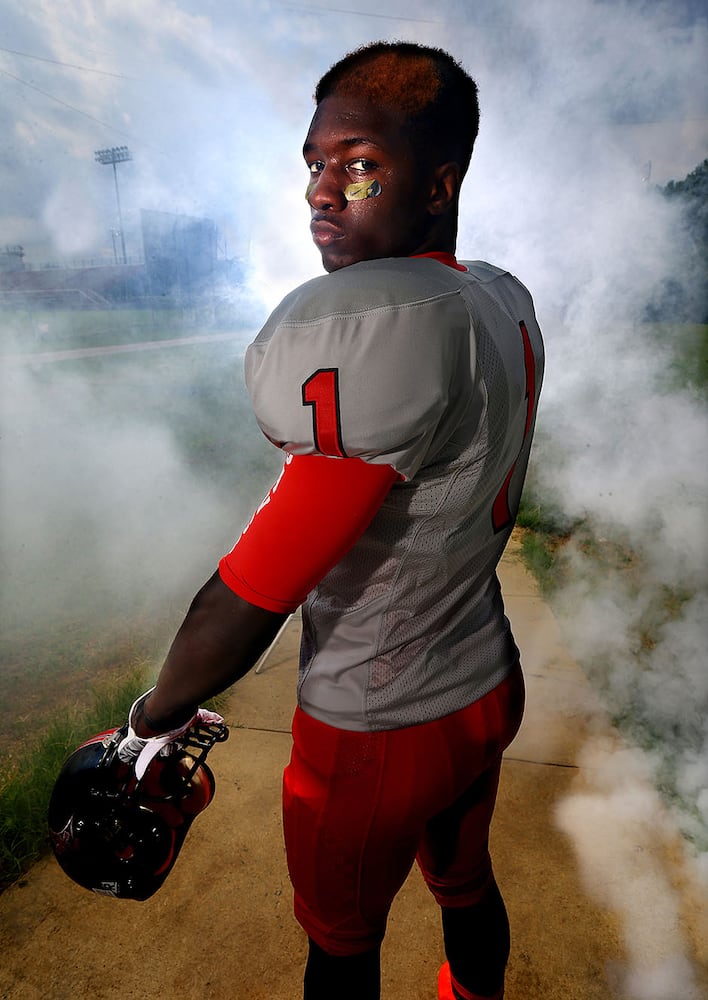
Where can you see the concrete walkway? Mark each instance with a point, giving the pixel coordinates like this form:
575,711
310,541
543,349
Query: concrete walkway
222,925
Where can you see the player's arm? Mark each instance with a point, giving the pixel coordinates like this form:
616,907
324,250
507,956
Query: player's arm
220,639
312,516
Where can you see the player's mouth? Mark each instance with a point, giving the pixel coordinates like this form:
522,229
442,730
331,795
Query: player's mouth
324,233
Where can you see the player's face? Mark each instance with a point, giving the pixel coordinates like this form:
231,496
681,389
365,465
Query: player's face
367,191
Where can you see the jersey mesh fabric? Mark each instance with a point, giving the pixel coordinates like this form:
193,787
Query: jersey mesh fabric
409,626
313,514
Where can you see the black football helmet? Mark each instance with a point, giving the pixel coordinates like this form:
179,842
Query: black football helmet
120,836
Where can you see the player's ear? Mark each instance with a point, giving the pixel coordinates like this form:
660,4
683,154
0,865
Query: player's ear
444,188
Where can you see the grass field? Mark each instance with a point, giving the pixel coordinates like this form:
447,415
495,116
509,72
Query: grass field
168,433
689,342
35,330
27,785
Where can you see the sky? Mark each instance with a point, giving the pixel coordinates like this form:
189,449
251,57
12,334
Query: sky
586,107
213,100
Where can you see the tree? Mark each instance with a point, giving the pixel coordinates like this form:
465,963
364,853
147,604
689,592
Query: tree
684,296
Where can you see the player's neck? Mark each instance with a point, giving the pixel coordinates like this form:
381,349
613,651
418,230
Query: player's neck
441,235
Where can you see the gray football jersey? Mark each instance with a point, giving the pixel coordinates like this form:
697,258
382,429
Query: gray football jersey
435,372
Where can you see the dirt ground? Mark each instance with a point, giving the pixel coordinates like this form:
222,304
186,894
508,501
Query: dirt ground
599,907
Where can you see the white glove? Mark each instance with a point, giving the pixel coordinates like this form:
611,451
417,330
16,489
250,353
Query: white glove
134,749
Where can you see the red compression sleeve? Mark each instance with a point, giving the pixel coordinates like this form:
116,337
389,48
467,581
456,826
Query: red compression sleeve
313,515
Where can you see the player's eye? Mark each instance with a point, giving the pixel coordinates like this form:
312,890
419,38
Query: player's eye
362,165
316,167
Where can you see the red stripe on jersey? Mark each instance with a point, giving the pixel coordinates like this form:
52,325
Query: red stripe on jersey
530,368
502,515
315,512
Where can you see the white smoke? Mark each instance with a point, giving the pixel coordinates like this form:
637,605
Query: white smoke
102,508
630,863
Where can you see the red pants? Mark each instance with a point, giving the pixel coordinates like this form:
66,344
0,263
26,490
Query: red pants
359,808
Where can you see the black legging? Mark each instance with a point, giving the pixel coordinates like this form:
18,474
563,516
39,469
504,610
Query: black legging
476,944
336,977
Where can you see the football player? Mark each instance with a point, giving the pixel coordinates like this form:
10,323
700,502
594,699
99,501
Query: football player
402,387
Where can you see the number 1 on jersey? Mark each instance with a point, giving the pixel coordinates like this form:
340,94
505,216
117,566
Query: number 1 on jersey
321,392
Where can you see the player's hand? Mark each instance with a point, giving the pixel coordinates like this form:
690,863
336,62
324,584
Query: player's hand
139,750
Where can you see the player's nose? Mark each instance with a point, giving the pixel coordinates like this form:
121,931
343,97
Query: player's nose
326,192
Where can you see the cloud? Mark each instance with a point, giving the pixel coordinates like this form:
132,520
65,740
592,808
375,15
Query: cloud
71,217
215,103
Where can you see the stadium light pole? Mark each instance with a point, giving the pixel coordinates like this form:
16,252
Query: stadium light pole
116,154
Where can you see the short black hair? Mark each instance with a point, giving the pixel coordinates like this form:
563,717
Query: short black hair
426,84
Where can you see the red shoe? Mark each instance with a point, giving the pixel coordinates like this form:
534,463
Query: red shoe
445,988
445,983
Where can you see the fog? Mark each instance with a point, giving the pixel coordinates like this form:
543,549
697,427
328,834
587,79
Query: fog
586,107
